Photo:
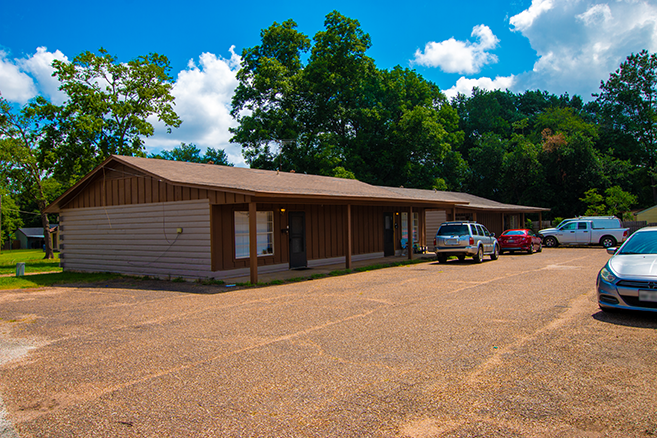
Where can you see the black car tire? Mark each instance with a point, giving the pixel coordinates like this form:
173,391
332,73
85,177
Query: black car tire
460,257
479,257
531,248
608,241
551,242
496,253
540,247
442,259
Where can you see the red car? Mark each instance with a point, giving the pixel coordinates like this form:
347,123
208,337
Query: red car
520,240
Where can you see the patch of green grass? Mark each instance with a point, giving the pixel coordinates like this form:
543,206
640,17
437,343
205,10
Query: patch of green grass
44,280
33,259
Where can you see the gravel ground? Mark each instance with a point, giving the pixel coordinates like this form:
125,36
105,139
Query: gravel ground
511,348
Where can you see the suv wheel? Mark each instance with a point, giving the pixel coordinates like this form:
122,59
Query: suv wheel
496,253
442,259
479,257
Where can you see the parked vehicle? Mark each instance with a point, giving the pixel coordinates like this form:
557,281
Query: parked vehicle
582,232
520,240
629,279
465,239
598,221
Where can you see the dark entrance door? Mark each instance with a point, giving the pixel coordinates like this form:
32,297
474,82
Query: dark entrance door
388,235
298,257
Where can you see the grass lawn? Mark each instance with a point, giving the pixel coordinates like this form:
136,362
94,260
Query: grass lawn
33,259
34,262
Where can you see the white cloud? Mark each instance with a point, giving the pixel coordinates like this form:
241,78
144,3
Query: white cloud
40,66
465,85
454,56
25,78
527,17
596,14
579,43
15,85
203,95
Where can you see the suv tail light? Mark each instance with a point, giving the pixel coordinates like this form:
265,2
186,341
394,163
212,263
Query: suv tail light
471,240
625,233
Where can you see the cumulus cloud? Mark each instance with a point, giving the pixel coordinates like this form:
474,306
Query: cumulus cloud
465,85
203,95
526,18
465,57
22,79
15,85
40,67
579,44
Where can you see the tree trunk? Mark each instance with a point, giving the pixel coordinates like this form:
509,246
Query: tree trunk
46,231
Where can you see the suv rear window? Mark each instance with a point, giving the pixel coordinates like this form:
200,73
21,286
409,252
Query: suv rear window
453,230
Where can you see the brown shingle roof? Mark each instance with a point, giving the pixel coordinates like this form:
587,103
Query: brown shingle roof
267,183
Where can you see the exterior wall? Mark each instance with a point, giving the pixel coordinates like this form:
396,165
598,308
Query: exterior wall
138,239
325,233
433,220
649,215
124,186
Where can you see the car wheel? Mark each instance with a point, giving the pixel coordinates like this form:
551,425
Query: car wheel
496,253
461,258
540,247
551,242
442,259
479,257
608,241
531,249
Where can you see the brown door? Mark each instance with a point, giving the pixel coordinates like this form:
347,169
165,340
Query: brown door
388,235
298,258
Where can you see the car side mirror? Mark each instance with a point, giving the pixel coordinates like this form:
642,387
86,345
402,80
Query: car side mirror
612,251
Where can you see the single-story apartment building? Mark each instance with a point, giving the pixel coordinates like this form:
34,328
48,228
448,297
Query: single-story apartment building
164,218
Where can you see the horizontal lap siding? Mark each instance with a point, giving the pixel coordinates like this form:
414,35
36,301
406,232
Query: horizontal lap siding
139,239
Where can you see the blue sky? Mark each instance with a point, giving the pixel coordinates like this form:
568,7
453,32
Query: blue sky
553,45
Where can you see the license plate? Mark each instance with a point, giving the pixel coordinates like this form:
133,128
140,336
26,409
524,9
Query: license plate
452,241
648,295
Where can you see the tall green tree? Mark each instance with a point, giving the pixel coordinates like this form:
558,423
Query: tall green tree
628,103
192,154
107,109
25,163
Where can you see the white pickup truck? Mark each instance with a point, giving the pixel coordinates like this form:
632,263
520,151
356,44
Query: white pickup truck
582,232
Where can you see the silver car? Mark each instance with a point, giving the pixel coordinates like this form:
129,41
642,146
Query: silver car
629,279
465,239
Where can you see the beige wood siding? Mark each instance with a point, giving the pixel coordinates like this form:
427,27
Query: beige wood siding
138,239
433,220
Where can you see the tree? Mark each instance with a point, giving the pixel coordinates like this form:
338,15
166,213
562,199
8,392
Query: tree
107,109
25,163
628,103
11,220
192,154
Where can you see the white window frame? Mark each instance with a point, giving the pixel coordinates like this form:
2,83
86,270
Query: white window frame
265,234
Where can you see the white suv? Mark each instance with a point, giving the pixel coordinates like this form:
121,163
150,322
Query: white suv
465,239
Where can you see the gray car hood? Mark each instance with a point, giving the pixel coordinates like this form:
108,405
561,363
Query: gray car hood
634,265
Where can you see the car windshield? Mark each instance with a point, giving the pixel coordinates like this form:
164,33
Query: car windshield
641,243
453,230
513,233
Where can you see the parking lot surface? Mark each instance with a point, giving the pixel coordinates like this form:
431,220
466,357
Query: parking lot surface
510,348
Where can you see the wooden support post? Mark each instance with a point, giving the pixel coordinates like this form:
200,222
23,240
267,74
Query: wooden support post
347,245
409,224
253,242
523,221
540,221
454,213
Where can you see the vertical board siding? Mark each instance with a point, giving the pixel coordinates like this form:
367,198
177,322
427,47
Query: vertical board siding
122,188
139,239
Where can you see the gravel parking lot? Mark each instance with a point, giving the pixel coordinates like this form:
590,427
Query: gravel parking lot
511,348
